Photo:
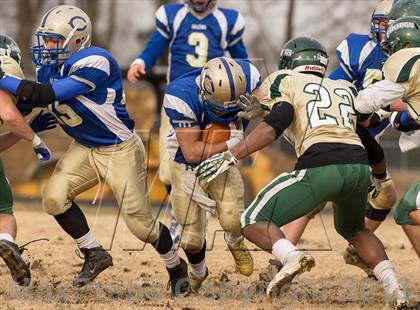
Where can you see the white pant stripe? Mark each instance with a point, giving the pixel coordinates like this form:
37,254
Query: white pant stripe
267,196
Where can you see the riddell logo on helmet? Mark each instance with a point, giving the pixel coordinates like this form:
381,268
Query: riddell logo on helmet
314,68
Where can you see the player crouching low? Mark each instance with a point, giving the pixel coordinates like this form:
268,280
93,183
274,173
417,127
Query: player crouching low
316,114
193,103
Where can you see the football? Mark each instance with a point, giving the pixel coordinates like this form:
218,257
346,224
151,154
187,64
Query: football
215,133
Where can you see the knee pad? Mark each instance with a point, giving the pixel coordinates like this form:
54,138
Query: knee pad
376,214
191,242
387,196
230,220
54,199
144,229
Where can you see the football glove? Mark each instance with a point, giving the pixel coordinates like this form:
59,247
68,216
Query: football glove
41,149
215,166
41,122
250,106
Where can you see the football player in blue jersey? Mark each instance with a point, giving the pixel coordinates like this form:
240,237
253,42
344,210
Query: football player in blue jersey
10,57
82,85
195,32
192,103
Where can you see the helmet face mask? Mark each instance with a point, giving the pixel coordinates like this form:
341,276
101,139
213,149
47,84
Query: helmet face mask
380,20
49,56
202,6
69,27
8,47
221,82
304,54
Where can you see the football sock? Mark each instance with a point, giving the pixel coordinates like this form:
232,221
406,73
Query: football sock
197,257
171,259
87,241
164,242
199,270
163,246
283,249
230,239
8,237
73,221
385,273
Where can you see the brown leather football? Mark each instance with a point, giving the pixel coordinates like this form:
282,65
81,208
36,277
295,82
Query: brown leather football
215,133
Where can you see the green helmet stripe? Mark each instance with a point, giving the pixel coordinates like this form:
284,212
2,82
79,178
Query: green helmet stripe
404,74
274,88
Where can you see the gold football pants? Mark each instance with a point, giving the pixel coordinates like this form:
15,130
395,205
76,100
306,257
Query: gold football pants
228,192
121,166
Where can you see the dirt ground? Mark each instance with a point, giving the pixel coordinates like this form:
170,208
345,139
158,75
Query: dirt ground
138,278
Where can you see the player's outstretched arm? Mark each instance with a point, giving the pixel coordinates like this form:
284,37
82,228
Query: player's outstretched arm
280,117
148,57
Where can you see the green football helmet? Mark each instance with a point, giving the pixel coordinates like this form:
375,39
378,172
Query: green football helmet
404,32
8,47
304,54
403,8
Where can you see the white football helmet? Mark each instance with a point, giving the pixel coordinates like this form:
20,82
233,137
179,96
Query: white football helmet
380,20
222,81
64,22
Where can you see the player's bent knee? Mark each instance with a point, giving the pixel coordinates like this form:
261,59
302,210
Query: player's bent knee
415,216
145,230
230,221
54,200
191,242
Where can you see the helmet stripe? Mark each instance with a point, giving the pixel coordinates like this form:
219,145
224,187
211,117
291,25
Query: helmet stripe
44,20
230,77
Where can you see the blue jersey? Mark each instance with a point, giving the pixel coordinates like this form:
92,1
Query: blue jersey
183,105
361,61
193,41
97,115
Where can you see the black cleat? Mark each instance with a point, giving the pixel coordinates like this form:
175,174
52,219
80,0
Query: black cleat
96,261
19,270
178,278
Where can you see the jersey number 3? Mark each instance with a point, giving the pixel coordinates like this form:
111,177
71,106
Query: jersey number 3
201,43
322,104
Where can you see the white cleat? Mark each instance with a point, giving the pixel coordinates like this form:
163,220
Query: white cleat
397,300
297,264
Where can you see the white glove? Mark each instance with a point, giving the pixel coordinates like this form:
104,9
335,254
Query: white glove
41,149
236,135
250,106
215,166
